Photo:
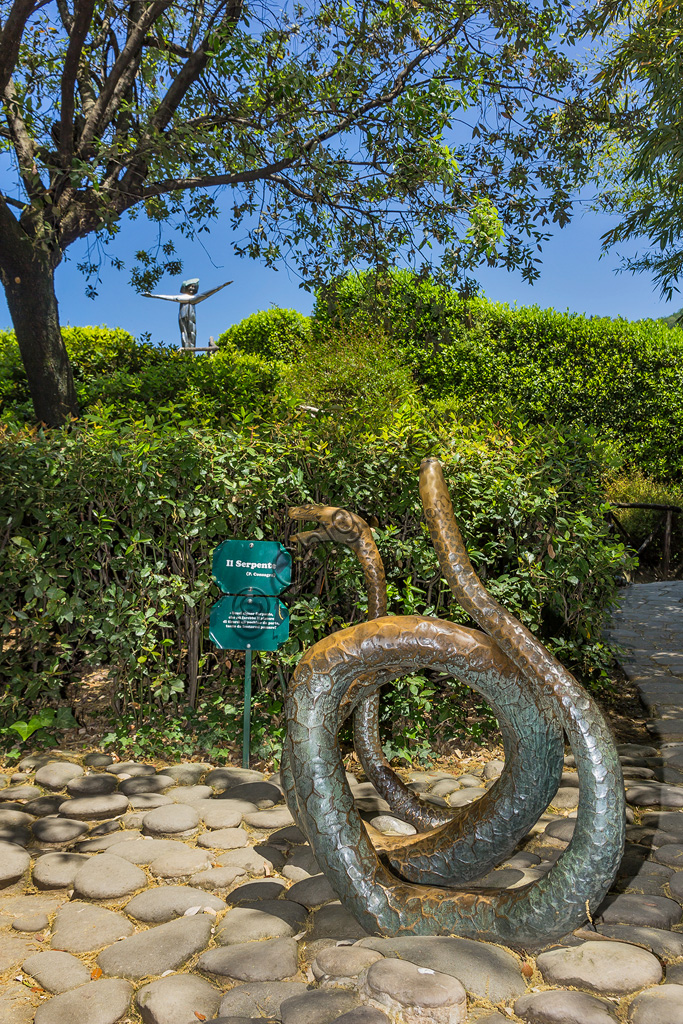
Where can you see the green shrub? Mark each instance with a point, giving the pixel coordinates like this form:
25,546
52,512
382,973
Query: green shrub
112,368
488,360
109,530
272,334
349,374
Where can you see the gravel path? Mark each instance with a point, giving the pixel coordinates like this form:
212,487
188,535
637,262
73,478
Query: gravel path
130,893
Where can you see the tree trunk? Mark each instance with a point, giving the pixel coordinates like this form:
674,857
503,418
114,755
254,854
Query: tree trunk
28,279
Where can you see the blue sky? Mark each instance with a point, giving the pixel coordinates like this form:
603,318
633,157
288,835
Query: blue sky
573,277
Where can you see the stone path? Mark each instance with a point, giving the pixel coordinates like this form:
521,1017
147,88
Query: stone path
130,893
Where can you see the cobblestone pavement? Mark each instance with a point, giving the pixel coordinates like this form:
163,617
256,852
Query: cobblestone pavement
132,893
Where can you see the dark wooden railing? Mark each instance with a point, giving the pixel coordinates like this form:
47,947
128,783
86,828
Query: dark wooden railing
666,517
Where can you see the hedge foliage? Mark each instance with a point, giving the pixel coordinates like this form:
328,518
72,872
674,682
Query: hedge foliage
486,359
108,532
137,379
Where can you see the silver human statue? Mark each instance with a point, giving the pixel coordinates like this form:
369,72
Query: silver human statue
188,299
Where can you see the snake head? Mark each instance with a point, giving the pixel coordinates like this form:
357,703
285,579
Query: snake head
335,525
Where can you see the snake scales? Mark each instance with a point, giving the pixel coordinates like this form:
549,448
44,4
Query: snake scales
413,886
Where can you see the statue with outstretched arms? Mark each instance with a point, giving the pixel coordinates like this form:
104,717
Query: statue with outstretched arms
188,299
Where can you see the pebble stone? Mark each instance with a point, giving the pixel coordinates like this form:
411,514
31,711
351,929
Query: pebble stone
18,835
187,774
317,1007
178,998
57,774
188,794
13,863
20,793
268,960
56,971
132,768
105,877
671,855
217,814
259,999
369,1015
415,992
609,968
143,851
43,806
18,818
269,890
58,830
83,928
99,1002
162,948
224,839
179,863
676,886
340,965
311,892
247,859
170,820
392,826
645,911
558,1006
485,970
146,784
94,808
167,902
276,818
333,921
265,919
663,943
30,922
217,878
228,778
663,1005
97,760
92,785
57,870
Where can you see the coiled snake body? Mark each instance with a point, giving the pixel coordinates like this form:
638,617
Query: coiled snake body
411,886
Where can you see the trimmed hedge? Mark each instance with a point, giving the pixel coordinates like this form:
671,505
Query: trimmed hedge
109,530
488,360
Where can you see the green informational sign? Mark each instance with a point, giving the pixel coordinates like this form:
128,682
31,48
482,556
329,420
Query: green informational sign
249,622
251,573
261,565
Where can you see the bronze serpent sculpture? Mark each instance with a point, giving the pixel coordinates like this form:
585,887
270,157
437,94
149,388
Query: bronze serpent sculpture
477,837
527,689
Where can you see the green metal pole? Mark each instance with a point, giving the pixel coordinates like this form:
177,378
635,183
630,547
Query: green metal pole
246,733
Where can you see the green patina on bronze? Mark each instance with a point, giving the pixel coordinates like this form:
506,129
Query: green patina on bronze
412,886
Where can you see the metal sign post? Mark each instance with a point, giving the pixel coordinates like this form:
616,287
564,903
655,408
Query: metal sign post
250,617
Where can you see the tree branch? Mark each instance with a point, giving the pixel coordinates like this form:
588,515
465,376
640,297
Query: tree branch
10,36
22,142
113,89
80,24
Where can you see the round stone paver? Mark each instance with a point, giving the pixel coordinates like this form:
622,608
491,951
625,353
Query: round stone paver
341,965
57,774
485,970
30,922
56,971
266,919
92,785
259,999
99,1002
224,839
611,968
561,1007
167,902
13,863
218,813
58,830
217,878
146,784
312,892
415,992
391,826
181,997
162,948
142,850
276,818
83,928
655,794
94,808
105,877
663,1005
269,960
170,820
642,911
319,1006
181,862
57,870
